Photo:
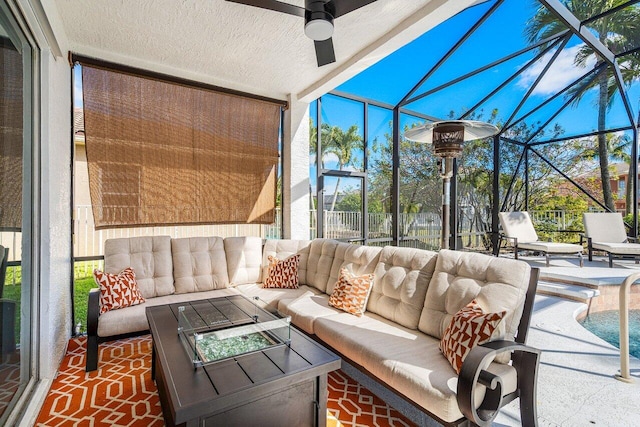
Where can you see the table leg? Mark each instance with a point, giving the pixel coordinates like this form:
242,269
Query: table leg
322,395
153,362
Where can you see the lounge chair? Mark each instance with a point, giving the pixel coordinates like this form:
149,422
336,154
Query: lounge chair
605,231
518,228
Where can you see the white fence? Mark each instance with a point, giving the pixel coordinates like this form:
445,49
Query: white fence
89,242
417,229
424,227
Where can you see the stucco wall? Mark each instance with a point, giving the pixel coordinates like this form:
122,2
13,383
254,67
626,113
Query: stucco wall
295,188
55,261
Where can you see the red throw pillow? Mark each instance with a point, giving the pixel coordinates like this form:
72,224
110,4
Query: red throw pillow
117,290
469,327
351,292
282,274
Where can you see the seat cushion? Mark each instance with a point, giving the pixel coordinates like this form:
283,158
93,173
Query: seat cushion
305,309
149,256
244,259
552,247
269,297
199,264
134,318
618,248
400,284
498,284
405,359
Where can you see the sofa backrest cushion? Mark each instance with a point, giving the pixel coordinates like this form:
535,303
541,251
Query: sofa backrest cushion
319,262
244,259
150,258
360,260
283,249
199,264
402,276
496,283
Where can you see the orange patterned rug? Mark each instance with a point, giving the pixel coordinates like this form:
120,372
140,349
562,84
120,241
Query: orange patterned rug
121,392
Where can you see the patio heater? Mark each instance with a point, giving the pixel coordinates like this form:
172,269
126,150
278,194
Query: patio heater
447,138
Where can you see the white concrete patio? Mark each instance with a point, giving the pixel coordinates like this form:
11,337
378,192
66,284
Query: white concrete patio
576,386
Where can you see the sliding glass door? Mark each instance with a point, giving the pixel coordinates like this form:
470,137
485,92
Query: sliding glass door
16,206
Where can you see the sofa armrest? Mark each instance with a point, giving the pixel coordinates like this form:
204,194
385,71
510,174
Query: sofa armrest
93,312
525,361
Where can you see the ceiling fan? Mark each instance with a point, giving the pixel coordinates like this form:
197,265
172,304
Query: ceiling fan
318,20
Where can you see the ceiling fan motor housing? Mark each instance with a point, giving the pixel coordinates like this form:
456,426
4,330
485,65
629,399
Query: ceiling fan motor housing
318,20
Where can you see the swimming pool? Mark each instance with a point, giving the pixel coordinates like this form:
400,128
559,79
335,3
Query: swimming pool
606,325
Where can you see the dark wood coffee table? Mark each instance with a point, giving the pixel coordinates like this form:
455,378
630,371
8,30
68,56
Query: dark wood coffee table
280,385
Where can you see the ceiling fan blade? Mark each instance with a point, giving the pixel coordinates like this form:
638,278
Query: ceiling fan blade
324,52
344,7
273,5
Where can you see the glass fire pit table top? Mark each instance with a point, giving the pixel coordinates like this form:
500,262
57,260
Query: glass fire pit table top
220,329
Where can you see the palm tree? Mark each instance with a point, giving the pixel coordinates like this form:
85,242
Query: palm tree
618,32
618,147
313,150
343,145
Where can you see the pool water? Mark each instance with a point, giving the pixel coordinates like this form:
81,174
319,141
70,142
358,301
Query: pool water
606,325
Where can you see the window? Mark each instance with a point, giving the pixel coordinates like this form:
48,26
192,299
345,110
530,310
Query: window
16,224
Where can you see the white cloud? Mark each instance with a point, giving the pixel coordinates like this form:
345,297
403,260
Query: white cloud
562,72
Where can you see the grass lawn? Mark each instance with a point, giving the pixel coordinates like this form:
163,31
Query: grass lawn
12,293
80,300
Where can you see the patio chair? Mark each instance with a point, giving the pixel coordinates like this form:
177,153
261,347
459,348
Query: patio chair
518,228
605,231
4,258
7,313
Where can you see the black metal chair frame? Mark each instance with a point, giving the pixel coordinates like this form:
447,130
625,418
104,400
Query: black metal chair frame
525,360
611,256
547,255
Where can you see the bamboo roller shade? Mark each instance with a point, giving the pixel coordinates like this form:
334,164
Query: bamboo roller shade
163,153
11,137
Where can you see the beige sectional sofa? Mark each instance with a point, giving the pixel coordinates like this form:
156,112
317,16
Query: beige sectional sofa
414,297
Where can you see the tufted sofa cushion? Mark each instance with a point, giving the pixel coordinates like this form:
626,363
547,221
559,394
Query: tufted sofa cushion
405,359
283,249
244,259
358,259
400,284
199,264
496,283
319,262
150,258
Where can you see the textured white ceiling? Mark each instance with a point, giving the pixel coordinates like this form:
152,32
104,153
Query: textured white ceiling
238,46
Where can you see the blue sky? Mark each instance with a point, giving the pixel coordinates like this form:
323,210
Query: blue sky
393,77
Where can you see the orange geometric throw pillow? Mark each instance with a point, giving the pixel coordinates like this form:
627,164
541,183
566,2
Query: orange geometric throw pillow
351,292
469,327
117,290
282,274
